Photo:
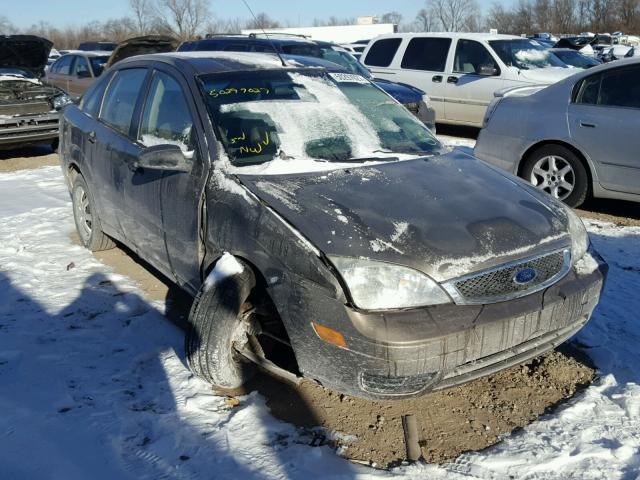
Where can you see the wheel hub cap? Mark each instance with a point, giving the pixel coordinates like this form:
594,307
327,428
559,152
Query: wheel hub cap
554,175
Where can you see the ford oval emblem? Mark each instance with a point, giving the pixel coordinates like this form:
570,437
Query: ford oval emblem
525,275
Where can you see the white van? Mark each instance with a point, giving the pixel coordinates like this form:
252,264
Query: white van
460,71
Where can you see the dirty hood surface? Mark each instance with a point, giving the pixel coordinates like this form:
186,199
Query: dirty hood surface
141,46
24,51
445,215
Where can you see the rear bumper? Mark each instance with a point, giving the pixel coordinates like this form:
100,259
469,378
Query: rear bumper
29,129
417,351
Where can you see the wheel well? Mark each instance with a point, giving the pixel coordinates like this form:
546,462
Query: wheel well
560,143
72,173
274,325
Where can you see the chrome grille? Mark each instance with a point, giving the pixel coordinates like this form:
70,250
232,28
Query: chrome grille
498,284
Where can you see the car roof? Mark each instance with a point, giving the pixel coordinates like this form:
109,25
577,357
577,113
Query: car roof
202,62
454,35
273,38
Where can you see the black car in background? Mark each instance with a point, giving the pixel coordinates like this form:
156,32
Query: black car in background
322,229
414,99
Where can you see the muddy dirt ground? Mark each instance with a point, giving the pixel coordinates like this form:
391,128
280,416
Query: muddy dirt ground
470,417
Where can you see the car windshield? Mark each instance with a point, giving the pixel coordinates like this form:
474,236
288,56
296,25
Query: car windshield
310,115
97,64
525,54
344,59
16,72
576,59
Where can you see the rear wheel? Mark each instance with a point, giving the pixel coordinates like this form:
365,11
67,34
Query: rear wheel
219,330
559,172
86,218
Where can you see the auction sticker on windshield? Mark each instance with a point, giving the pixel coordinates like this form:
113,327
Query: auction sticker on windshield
348,77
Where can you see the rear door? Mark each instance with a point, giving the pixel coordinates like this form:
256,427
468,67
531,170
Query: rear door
472,78
604,121
168,117
60,71
420,62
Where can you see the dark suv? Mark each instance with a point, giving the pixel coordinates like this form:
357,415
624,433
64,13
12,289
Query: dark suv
414,99
323,230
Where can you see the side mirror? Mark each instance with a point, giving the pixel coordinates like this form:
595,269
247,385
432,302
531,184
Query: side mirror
165,157
488,70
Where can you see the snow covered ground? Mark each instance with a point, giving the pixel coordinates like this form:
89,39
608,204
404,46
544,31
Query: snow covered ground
93,382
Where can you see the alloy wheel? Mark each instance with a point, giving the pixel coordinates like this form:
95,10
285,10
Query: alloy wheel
554,175
84,218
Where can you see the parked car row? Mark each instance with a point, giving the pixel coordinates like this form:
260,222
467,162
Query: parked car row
322,229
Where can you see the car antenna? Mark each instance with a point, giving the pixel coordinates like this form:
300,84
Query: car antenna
273,45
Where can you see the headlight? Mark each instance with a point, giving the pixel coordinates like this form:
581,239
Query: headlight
579,236
60,101
378,285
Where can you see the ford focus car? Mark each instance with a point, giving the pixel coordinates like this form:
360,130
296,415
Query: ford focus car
322,229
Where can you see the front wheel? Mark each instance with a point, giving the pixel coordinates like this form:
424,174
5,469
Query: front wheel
559,172
219,329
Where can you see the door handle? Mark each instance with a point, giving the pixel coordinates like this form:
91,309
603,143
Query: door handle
92,137
437,78
587,124
452,79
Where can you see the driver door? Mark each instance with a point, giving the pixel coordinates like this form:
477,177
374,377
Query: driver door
473,78
173,198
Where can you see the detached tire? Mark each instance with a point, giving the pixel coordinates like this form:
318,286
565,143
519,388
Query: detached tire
559,172
217,329
86,217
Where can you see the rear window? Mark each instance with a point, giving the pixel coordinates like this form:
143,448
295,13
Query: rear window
426,54
617,88
382,52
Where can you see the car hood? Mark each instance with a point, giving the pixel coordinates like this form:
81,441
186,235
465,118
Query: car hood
141,46
444,215
25,51
546,75
400,91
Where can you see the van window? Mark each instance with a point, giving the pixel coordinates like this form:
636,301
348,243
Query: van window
471,57
236,47
121,97
428,54
382,52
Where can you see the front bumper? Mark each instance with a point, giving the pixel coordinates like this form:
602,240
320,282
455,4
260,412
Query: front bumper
408,353
27,129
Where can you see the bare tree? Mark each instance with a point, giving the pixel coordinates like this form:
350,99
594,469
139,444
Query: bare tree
119,29
182,18
426,20
454,15
143,11
262,20
391,17
6,27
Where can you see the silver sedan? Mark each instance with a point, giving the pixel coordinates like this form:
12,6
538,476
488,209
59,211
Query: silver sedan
577,137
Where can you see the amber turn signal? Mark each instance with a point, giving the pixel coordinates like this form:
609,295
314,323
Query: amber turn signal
329,335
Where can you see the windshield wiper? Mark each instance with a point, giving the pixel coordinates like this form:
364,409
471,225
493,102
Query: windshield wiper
370,159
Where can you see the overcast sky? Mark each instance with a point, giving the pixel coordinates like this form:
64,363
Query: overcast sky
64,12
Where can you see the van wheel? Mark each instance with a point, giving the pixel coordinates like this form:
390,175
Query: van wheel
86,218
559,172
219,329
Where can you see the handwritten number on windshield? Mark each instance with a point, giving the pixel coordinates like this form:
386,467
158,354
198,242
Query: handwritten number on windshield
236,91
256,149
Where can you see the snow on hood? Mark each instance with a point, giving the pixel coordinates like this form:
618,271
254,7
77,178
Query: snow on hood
440,215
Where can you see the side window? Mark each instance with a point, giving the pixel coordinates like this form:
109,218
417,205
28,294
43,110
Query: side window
81,67
166,117
428,54
473,57
236,47
587,90
63,66
91,100
120,99
621,88
382,52
262,48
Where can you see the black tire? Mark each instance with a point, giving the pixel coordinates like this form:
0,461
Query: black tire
215,324
86,218
579,176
